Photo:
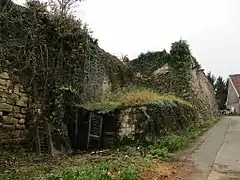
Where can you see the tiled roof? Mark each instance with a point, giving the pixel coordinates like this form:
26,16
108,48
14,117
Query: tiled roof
236,81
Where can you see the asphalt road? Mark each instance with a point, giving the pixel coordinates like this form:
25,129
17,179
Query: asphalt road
218,155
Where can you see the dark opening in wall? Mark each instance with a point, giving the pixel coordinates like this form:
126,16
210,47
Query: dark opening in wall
91,130
5,113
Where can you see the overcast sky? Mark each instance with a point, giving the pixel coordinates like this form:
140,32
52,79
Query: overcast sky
129,27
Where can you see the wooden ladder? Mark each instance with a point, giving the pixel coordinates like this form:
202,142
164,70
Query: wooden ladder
94,129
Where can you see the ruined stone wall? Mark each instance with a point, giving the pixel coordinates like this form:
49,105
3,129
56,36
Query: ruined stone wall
13,109
151,120
127,120
203,95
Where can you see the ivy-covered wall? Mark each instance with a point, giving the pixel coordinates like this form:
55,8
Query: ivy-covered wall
177,73
144,122
58,63
201,94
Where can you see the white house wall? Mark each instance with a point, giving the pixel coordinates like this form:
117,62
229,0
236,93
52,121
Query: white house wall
233,99
232,95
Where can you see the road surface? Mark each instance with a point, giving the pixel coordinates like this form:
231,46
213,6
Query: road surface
218,155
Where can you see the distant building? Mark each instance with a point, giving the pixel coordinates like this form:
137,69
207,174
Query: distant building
233,98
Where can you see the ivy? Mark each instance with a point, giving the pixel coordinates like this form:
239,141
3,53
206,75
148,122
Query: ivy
149,62
180,64
54,56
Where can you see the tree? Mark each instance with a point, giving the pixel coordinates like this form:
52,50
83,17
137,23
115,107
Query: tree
125,59
211,79
221,92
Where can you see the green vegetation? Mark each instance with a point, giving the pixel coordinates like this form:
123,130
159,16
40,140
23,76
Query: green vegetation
149,62
180,65
221,89
131,97
100,171
175,79
62,66
55,58
120,164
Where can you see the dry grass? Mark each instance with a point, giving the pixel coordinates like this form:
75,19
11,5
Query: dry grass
166,171
133,97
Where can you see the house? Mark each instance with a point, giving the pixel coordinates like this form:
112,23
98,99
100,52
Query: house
233,98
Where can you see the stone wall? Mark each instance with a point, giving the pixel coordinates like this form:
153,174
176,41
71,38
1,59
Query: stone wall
13,109
203,95
153,120
127,120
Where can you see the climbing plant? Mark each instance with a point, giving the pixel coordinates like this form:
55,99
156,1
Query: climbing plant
165,72
149,62
53,54
180,64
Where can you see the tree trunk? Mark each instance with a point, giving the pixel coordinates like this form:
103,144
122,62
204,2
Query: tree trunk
49,138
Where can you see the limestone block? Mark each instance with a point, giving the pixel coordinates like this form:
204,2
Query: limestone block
3,88
16,133
6,83
21,121
3,82
8,126
9,100
12,99
21,89
9,120
3,100
6,107
22,102
19,115
3,94
4,75
16,88
16,109
24,110
20,126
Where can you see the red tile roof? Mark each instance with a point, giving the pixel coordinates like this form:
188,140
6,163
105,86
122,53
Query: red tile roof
236,81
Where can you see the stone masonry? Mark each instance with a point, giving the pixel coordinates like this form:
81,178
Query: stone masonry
127,129
13,109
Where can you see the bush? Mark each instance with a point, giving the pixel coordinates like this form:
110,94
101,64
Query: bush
164,146
129,174
159,151
173,142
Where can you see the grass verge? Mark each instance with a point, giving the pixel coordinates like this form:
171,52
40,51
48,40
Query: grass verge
125,163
